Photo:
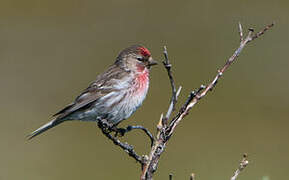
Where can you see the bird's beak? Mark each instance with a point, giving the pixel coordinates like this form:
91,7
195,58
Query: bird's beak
152,62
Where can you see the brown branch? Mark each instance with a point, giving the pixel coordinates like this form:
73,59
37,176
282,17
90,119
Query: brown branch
244,162
170,176
175,93
199,95
192,177
124,146
163,132
263,31
241,32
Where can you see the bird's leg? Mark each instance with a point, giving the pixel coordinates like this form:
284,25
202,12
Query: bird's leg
123,131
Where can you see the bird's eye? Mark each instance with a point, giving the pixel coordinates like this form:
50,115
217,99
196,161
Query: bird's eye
140,58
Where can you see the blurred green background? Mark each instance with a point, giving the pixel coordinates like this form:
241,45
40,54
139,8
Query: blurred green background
51,50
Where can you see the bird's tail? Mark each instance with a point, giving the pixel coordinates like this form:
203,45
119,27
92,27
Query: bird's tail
44,128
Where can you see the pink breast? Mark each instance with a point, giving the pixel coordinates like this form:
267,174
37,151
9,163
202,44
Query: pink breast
142,81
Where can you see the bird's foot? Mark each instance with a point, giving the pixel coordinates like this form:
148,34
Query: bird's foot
104,126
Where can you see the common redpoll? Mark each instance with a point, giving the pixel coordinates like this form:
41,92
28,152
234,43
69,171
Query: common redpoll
115,94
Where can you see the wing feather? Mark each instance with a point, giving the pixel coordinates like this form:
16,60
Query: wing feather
104,84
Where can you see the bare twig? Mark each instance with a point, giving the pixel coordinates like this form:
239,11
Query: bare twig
170,176
126,147
212,84
192,177
175,93
263,31
244,162
163,132
123,131
241,32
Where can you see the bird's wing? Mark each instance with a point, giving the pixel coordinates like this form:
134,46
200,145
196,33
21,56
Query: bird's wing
103,85
82,101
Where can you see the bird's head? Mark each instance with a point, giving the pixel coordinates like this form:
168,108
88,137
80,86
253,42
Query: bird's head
135,58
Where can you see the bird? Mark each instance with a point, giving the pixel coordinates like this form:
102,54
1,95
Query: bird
114,95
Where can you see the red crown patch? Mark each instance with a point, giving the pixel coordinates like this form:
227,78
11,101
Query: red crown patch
144,51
